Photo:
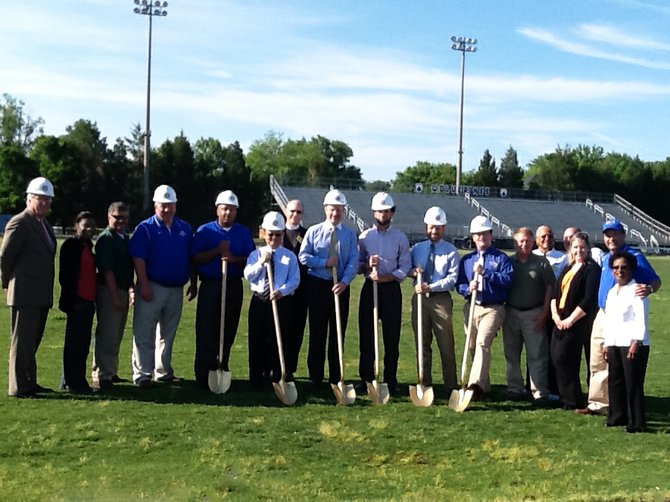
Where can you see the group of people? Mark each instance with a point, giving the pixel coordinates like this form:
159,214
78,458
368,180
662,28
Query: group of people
556,304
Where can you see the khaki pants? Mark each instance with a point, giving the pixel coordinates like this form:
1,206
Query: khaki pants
437,320
519,329
28,325
598,391
108,334
485,325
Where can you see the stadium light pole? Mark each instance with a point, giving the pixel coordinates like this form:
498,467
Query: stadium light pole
151,9
463,45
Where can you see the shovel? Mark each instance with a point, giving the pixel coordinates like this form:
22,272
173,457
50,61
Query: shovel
379,393
460,399
219,379
419,394
345,394
286,391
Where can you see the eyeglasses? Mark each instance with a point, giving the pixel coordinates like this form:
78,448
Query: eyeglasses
620,267
297,211
119,217
546,236
274,234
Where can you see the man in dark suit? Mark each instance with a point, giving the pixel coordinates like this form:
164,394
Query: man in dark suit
292,240
27,272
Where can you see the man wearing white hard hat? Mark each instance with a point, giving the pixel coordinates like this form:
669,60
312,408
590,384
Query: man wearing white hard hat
160,248
437,260
263,354
384,259
27,270
218,240
489,292
293,236
326,245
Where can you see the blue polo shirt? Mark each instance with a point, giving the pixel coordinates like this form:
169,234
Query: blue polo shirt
498,274
644,273
166,251
210,235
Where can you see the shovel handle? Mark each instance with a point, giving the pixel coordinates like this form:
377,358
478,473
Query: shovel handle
468,333
275,315
222,321
419,327
375,320
338,325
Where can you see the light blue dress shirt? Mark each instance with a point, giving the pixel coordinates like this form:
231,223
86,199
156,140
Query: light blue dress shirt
392,247
286,272
315,248
445,273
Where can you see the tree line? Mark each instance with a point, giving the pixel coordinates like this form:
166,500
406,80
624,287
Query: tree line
89,173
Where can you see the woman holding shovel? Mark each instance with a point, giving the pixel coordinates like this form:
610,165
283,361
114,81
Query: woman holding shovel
283,264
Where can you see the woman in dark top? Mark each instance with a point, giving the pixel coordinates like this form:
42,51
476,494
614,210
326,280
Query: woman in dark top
573,310
77,299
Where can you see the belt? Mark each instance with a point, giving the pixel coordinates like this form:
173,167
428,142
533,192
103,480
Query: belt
525,310
489,304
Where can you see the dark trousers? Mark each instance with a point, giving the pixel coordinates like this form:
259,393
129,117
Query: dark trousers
322,329
263,353
626,387
77,344
27,324
293,343
208,325
566,354
390,312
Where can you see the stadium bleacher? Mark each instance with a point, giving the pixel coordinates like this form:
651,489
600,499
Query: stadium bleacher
510,213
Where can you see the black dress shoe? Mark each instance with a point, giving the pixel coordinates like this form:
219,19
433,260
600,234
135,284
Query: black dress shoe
25,395
106,384
394,391
118,379
43,390
361,388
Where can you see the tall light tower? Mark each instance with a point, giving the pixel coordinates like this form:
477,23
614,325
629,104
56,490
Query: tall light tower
150,9
464,45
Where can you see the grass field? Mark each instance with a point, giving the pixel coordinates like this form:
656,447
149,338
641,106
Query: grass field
182,443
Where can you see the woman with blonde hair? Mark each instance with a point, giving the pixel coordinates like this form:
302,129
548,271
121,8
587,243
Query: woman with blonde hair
573,310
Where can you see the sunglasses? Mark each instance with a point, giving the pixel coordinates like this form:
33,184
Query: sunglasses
620,267
274,234
298,211
119,217
546,236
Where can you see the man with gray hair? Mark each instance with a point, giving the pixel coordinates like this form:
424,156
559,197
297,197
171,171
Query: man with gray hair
27,272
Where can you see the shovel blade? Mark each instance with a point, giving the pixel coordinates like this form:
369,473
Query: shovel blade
219,381
420,395
345,394
460,399
378,392
286,392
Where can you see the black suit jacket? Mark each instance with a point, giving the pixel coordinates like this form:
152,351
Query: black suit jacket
583,291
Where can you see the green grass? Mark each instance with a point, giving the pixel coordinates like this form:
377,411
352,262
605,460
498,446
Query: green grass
182,443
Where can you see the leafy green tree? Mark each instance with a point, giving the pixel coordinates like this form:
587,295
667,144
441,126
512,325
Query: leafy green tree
378,186
16,127
553,171
16,170
487,174
510,174
424,172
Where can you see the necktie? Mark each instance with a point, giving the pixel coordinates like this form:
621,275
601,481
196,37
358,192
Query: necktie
430,264
266,289
332,246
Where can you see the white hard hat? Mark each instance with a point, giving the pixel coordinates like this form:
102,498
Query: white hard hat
382,201
480,224
334,198
435,216
273,221
165,193
227,197
40,186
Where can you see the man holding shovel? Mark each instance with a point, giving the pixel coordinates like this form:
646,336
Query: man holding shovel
263,353
485,277
328,245
438,261
214,242
384,258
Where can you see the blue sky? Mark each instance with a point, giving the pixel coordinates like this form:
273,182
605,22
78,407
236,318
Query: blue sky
379,75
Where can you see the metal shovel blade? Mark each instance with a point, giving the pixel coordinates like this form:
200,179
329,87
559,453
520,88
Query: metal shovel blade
460,399
219,381
378,392
421,395
344,393
286,392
